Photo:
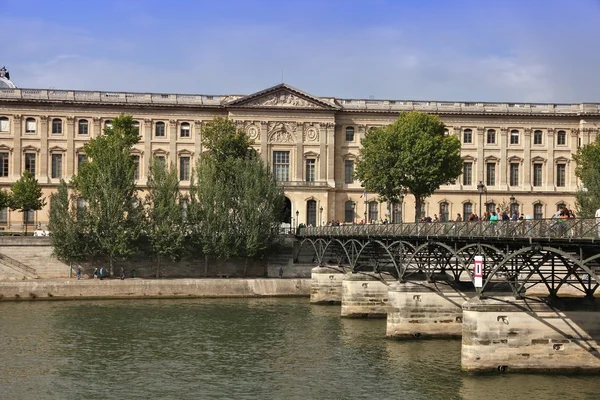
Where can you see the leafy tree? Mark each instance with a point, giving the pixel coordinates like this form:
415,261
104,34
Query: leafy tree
587,199
5,198
26,195
106,182
164,224
411,154
68,241
225,141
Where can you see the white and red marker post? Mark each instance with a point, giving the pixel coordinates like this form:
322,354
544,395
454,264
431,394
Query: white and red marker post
478,271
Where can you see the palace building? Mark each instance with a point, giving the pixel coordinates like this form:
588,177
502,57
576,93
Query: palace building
516,155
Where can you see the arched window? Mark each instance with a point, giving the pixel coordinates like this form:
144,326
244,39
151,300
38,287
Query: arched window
57,126
561,138
350,134
467,136
107,124
159,129
373,211
537,137
349,211
490,208
4,124
491,136
560,206
514,209
514,136
538,211
467,211
444,211
184,130
311,213
397,213
83,127
30,125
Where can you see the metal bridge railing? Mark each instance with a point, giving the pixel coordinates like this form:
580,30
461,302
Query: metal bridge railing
578,228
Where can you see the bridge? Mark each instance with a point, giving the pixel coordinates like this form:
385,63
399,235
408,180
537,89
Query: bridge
521,294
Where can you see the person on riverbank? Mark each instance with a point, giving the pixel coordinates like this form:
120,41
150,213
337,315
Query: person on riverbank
122,274
101,273
95,274
280,272
78,273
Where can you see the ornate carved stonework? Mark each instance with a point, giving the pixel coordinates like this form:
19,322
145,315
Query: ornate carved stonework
281,132
311,132
282,98
253,132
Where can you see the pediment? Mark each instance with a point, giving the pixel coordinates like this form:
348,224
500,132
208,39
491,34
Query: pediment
282,96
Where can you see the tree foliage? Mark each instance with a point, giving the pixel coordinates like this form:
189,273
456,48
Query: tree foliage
225,141
164,224
106,182
412,154
68,239
587,199
26,194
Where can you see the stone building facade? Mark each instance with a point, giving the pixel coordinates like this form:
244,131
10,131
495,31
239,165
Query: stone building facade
520,152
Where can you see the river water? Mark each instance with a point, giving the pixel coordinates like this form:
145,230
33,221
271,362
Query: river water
236,349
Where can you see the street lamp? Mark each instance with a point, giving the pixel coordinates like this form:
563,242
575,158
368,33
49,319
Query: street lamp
321,215
401,198
481,189
297,218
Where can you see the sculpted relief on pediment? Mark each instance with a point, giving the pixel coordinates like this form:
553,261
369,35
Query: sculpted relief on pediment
282,98
280,132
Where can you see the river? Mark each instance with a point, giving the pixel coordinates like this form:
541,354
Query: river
236,349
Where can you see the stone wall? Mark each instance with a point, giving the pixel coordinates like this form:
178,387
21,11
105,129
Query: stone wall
154,288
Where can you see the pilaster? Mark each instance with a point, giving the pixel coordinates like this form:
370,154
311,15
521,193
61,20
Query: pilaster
503,162
550,166
330,129
173,142
17,154
480,158
42,169
96,130
70,156
147,159
300,153
527,182
264,143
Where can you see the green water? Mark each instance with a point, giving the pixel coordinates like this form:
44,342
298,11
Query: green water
236,349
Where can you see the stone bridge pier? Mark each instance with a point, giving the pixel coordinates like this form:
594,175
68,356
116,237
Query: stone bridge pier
365,295
326,285
531,334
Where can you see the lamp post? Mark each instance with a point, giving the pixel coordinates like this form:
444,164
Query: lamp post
321,215
481,189
512,203
297,218
401,198
353,212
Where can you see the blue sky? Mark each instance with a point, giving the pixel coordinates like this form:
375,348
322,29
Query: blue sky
528,50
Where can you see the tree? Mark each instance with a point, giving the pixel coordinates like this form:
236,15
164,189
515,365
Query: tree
26,195
164,224
225,141
411,154
587,199
68,239
106,182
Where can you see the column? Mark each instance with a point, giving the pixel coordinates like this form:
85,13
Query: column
527,181
503,162
323,158
264,143
17,153
480,156
42,167
70,156
330,129
173,142
300,153
550,165
147,138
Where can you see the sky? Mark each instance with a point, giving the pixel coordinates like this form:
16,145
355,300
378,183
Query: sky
461,50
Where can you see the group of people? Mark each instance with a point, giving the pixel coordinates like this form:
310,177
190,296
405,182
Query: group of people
101,273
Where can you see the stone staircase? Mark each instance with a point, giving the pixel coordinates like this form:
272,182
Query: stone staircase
18,266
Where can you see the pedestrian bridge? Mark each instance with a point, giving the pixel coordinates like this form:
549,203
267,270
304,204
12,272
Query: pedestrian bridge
561,257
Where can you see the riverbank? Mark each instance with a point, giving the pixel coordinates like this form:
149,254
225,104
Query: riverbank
69,289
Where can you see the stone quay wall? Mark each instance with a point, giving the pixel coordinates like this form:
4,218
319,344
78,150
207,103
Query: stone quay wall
151,288
365,295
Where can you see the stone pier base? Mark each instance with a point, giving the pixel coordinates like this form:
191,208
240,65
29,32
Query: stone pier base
504,334
326,285
364,295
425,310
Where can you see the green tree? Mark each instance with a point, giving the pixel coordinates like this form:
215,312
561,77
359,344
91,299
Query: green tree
587,169
68,240
106,182
225,141
164,224
412,154
26,195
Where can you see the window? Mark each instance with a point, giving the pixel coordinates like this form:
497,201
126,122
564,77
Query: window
136,164
537,174
3,164
56,172
4,124
491,136
349,211
373,211
444,211
349,134
560,206
490,208
561,138
57,126
161,159
349,171
561,176
537,137
514,174
184,130
30,163
184,168
311,213
514,209
81,158
467,173
107,124
29,217
281,165
83,127
490,174
159,129
396,213
467,136
514,136
423,213
136,125
311,166
30,125
467,211
538,211
4,215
